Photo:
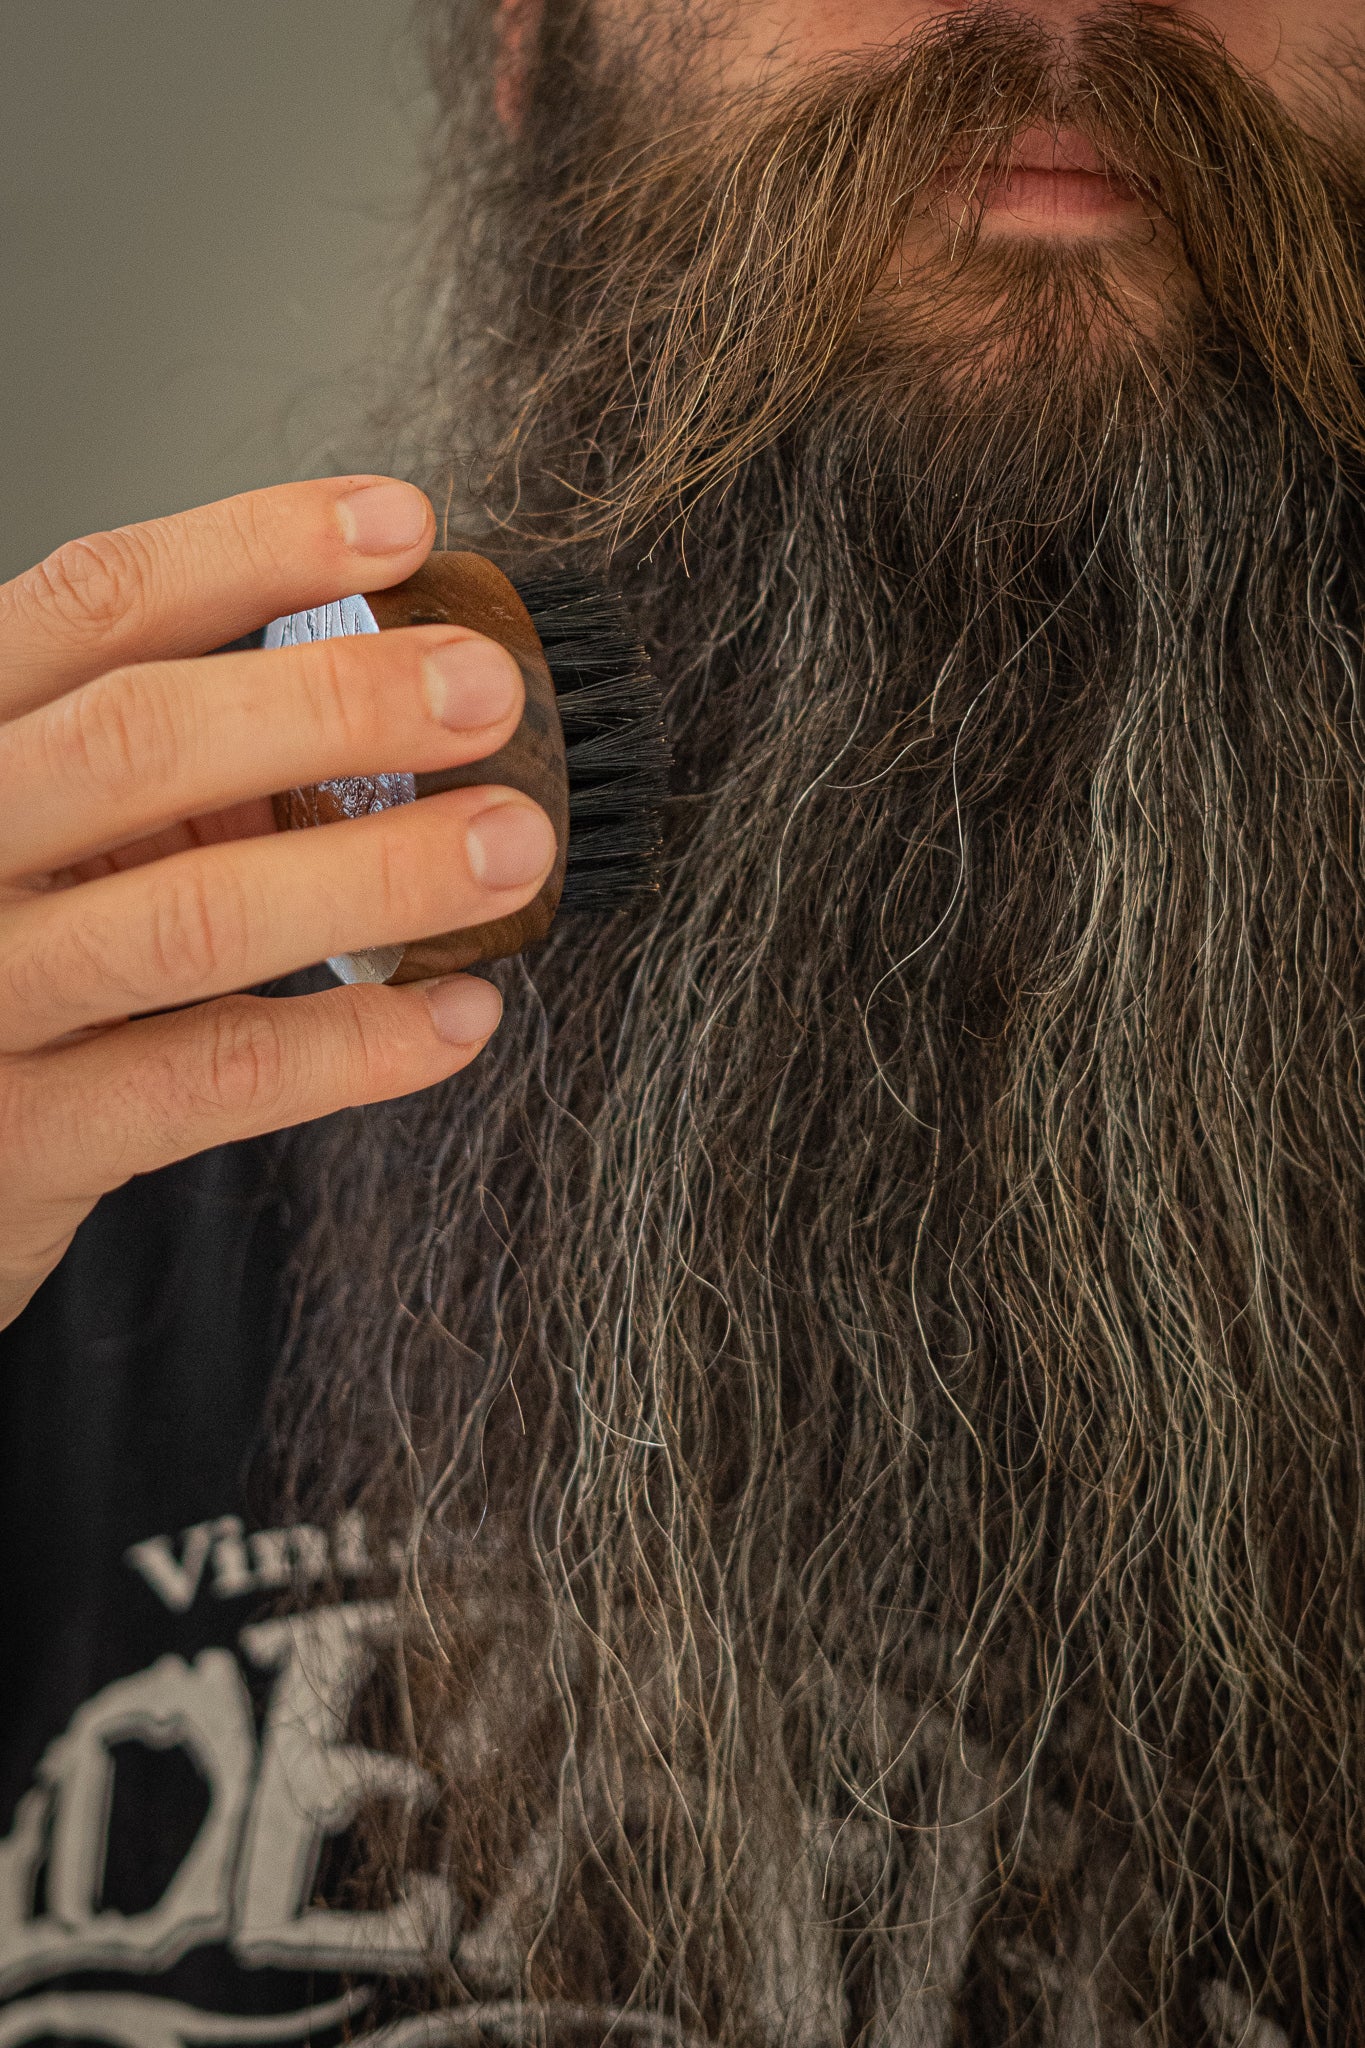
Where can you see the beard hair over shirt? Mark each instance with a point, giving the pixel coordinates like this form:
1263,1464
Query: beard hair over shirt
867,1366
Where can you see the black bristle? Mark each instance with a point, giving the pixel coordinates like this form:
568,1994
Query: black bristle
611,709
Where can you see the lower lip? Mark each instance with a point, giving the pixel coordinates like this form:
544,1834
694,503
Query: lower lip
1056,202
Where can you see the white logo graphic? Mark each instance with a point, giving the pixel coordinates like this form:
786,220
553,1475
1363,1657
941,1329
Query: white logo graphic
247,1878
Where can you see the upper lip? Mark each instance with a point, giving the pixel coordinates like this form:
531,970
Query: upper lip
1055,149
1040,149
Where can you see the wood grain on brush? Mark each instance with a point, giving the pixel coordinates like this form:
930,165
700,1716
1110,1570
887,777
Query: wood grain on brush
465,589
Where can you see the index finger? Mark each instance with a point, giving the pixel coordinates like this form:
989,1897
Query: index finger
184,585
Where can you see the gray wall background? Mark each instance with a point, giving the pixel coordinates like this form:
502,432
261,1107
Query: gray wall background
201,205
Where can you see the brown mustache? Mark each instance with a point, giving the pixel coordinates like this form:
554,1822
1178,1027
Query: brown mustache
736,254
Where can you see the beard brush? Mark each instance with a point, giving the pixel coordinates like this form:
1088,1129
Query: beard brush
590,748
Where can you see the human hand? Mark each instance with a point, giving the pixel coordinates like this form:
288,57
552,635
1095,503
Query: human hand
140,868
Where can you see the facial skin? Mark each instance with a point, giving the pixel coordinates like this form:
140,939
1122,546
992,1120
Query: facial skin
782,34
766,42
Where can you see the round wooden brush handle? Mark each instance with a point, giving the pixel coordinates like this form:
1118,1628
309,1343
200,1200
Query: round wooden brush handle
460,588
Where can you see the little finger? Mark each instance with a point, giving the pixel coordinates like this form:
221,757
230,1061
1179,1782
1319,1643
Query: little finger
85,1117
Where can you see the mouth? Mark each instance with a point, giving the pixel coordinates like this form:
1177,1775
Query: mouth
1050,182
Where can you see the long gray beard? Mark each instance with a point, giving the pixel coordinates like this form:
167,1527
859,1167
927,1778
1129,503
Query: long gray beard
867,1365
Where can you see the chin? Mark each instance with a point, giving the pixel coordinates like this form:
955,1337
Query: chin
1048,316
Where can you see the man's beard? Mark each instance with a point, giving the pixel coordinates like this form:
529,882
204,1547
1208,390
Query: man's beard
866,1364
697,273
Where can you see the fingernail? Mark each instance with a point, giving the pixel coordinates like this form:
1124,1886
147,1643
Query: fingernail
509,844
383,519
464,1009
470,683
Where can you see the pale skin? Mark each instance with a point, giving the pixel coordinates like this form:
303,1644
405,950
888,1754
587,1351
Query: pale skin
1285,42
142,885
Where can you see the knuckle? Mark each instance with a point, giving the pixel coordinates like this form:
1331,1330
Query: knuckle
254,525
199,929
95,585
52,958
355,1053
370,1059
250,530
402,883
115,732
339,699
244,1071
25,1121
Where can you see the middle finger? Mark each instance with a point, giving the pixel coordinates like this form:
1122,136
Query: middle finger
142,748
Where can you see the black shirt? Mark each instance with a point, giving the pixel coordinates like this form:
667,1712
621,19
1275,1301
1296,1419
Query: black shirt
172,1759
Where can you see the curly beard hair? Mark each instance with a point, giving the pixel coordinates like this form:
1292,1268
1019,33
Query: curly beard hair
866,1368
